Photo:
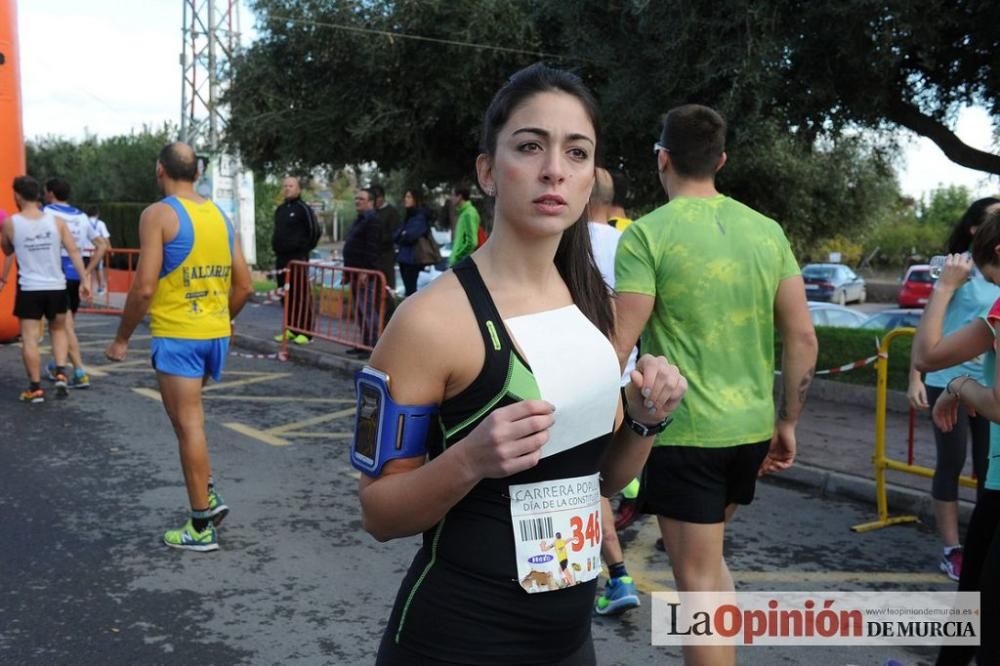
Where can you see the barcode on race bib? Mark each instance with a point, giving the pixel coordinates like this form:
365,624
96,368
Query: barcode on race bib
536,529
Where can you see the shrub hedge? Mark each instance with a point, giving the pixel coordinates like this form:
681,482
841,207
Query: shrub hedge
840,346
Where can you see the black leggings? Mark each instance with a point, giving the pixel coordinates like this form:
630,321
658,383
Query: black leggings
981,571
410,273
392,654
951,448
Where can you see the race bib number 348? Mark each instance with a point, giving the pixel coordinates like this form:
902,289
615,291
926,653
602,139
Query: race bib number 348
557,532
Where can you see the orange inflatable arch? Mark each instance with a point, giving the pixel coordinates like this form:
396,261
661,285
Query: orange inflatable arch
12,139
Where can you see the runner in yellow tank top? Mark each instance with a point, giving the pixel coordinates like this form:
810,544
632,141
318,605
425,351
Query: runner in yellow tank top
192,297
193,281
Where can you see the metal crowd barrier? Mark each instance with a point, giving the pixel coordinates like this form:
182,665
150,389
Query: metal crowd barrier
881,460
120,265
330,302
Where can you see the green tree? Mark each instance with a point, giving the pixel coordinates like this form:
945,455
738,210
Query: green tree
118,168
945,206
874,63
266,196
320,88
312,91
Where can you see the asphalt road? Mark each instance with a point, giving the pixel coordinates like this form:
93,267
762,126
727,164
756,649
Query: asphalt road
88,485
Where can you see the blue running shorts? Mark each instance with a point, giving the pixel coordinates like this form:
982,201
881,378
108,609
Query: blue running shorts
190,358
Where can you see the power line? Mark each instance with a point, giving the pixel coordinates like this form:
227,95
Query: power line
422,38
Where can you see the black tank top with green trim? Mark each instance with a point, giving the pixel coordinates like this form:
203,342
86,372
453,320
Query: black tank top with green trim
461,601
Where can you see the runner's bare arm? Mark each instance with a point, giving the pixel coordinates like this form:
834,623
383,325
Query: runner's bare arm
631,314
7,238
799,346
8,249
101,248
798,366
916,391
412,495
931,349
982,400
147,273
241,286
8,261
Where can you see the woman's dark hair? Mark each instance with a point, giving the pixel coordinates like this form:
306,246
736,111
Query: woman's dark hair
418,196
574,258
961,235
986,239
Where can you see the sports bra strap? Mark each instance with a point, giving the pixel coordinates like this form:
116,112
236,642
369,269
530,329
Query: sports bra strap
487,316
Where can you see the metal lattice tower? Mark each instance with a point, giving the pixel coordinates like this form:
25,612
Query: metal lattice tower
211,30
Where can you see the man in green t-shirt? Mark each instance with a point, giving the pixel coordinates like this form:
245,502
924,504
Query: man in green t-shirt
706,280
465,239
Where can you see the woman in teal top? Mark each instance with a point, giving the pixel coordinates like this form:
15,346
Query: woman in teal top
970,300
931,351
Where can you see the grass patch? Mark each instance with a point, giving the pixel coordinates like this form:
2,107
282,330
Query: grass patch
264,285
840,346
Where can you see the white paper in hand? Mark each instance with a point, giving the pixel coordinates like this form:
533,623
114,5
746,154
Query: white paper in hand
576,369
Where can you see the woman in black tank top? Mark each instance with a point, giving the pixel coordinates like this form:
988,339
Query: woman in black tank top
514,345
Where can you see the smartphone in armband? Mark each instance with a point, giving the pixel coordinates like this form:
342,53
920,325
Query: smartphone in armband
383,429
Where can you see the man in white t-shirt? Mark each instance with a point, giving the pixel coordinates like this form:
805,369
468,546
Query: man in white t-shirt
619,593
102,230
57,193
37,237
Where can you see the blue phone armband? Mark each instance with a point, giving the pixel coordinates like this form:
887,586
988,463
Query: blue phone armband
384,430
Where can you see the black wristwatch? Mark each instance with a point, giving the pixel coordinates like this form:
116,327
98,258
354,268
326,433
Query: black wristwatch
643,429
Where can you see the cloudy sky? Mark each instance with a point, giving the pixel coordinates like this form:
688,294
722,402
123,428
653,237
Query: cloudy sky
106,67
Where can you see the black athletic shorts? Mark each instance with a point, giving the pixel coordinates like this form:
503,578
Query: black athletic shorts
73,295
392,654
695,484
38,304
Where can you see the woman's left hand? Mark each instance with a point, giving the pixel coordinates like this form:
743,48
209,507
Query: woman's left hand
945,412
656,389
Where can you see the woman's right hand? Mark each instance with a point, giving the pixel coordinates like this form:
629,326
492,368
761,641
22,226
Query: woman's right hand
917,394
956,271
509,440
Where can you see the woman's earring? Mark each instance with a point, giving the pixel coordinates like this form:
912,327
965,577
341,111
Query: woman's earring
490,191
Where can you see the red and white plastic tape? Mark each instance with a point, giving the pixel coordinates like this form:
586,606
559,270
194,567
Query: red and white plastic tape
852,366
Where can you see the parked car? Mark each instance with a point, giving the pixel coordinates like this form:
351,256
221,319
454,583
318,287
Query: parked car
917,287
894,318
833,282
828,314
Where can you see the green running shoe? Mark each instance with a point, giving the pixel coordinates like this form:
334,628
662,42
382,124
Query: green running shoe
619,596
217,509
301,339
187,539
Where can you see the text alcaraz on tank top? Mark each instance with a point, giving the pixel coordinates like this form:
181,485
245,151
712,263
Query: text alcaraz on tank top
204,272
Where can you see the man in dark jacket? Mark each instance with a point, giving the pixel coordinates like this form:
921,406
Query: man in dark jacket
388,217
362,249
296,233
